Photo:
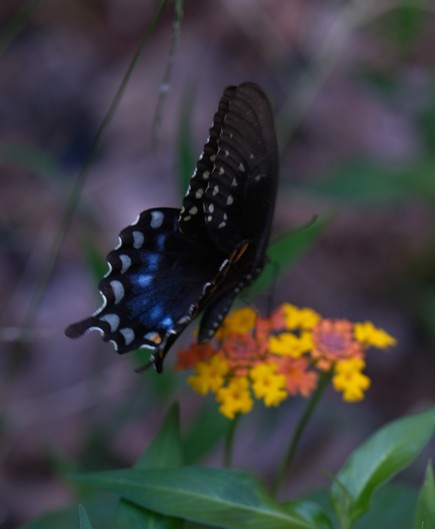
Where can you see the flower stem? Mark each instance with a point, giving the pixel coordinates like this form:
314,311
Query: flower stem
300,427
229,442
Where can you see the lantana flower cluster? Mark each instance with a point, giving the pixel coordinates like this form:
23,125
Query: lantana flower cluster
270,359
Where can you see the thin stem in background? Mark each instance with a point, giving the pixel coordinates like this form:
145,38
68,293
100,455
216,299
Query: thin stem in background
74,199
229,441
297,434
165,84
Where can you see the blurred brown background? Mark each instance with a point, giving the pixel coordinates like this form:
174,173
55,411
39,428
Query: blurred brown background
354,94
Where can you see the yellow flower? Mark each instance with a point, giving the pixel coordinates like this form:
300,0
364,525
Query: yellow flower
308,318
296,318
291,316
268,384
235,398
240,321
369,335
209,375
349,379
287,344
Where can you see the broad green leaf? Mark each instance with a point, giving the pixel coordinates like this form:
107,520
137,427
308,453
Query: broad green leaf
425,512
132,516
392,507
212,496
370,183
207,430
165,450
313,512
84,518
287,249
385,453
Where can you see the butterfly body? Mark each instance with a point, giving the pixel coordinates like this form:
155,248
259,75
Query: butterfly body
172,264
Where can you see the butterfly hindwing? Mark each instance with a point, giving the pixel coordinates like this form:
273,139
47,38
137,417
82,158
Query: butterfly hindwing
171,265
145,301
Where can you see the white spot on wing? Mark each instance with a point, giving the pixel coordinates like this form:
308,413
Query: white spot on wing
112,319
118,290
128,335
241,167
199,192
193,210
156,219
215,190
138,239
125,262
230,200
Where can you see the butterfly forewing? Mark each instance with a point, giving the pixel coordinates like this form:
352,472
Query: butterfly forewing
240,196
191,220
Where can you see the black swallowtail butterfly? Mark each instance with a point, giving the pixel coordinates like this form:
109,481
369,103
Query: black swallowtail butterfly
171,264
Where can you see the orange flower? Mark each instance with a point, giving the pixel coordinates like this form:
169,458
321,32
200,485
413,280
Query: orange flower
188,358
242,351
333,341
299,379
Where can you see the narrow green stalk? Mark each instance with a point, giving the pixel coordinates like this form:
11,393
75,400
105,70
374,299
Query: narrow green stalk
229,441
297,434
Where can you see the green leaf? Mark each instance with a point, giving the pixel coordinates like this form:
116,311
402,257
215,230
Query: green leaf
206,431
370,183
425,512
211,496
385,453
165,450
313,512
84,518
131,516
287,249
392,507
